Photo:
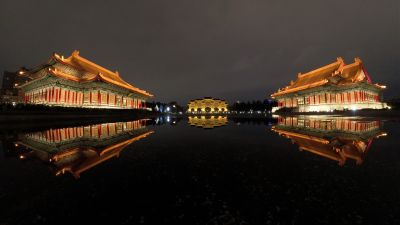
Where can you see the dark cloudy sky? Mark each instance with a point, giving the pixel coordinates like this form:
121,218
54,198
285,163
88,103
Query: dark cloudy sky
180,50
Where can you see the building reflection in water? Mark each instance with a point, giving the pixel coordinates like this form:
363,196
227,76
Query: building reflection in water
77,149
337,139
208,122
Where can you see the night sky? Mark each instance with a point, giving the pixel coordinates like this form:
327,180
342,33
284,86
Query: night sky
181,50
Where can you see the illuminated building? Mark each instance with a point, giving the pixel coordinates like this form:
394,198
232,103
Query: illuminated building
78,82
208,122
338,139
336,86
9,92
77,149
207,105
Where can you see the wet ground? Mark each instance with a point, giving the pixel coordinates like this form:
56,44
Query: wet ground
239,172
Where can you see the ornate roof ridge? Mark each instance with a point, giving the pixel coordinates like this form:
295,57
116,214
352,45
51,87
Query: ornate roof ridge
78,62
209,98
357,62
317,77
339,61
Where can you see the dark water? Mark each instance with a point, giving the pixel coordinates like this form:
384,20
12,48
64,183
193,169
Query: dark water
304,170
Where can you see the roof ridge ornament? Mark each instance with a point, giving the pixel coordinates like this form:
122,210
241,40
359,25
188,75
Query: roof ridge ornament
58,56
75,53
357,59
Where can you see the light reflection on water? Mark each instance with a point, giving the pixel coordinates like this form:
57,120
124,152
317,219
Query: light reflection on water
77,149
208,122
335,138
239,170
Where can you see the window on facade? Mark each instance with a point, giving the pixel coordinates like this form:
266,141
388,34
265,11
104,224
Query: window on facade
86,97
103,98
306,123
307,100
94,97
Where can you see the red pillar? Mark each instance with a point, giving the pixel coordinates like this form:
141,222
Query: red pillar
56,95
52,94
65,97
69,97
355,96
98,98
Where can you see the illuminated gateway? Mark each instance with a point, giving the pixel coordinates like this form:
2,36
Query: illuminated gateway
336,86
207,105
78,82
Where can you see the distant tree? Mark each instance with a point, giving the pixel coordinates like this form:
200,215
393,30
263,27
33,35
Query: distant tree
255,105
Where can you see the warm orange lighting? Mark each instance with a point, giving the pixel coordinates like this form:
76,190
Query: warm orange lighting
329,137
381,86
77,61
382,135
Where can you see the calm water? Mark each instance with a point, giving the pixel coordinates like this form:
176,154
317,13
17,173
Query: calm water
198,170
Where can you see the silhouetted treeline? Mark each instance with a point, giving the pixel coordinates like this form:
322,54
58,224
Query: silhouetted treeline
263,106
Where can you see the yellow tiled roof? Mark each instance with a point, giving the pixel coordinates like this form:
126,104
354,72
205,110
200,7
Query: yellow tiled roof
347,74
93,72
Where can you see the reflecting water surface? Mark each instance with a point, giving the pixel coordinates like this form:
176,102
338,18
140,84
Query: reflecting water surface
208,122
338,139
164,171
77,149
